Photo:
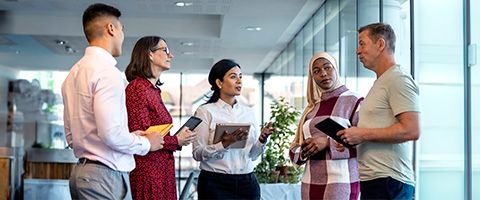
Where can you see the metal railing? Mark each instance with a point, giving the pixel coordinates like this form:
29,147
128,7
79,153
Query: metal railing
187,193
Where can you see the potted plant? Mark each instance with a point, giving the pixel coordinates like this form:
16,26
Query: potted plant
275,165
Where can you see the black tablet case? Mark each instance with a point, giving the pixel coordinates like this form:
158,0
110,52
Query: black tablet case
331,128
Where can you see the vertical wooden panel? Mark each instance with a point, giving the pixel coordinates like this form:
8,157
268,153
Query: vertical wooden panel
4,178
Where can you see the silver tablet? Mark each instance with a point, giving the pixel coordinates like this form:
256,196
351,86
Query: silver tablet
230,128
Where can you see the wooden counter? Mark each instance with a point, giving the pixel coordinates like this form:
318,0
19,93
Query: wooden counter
4,178
6,156
49,163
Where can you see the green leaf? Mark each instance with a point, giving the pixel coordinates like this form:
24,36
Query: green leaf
276,154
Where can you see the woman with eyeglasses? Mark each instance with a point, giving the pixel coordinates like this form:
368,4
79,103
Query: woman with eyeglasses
154,174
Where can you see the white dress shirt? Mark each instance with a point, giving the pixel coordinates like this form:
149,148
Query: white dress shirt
214,157
95,114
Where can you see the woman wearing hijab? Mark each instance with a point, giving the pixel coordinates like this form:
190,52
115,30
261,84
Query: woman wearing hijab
331,171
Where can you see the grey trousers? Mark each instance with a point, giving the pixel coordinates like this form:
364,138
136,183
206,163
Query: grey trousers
94,181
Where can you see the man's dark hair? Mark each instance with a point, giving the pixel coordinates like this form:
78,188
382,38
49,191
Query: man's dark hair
381,30
140,61
95,12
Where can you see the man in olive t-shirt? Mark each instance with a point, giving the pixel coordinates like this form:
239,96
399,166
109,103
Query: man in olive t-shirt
389,120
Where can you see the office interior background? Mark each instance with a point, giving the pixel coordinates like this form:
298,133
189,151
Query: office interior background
436,42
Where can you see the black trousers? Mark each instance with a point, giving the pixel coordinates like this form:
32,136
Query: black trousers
213,185
386,188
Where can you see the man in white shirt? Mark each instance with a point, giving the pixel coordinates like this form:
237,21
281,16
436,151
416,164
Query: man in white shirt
388,120
95,115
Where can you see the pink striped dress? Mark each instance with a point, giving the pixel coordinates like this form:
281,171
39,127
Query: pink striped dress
330,174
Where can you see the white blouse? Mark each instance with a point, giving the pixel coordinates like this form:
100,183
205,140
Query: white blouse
214,157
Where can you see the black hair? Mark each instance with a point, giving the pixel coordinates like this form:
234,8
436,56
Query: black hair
218,71
381,30
140,62
94,12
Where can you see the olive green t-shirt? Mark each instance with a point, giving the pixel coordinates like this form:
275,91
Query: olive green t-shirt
393,93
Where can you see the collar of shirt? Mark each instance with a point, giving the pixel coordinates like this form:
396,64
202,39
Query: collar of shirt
214,157
222,104
94,50
146,83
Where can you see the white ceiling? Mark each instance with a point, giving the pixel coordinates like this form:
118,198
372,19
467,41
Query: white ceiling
29,30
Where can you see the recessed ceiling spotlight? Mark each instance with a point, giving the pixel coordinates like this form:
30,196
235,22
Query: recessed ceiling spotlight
188,53
60,42
187,44
253,28
183,4
70,50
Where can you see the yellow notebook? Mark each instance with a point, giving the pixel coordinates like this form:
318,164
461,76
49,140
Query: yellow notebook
162,129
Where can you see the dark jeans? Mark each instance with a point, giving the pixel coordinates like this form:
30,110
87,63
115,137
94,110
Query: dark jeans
386,188
227,186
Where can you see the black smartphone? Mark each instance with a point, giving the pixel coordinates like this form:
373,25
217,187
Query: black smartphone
191,123
331,128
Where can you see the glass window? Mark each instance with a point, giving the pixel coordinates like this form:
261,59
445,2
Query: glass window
307,55
475,99
332,21
192,91
299,54
275,67
48,80
291,58
439,72
299,100
319,30
308,45
284,62
396,13
277,86
348,42
39,108
368,12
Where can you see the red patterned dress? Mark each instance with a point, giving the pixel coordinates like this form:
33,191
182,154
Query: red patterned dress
154,174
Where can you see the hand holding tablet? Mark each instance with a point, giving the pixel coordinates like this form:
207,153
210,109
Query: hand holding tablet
232,128
191,123
331,128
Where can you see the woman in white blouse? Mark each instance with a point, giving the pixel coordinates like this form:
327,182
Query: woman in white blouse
227,173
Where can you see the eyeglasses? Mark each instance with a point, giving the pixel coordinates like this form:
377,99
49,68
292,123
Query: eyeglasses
164,49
